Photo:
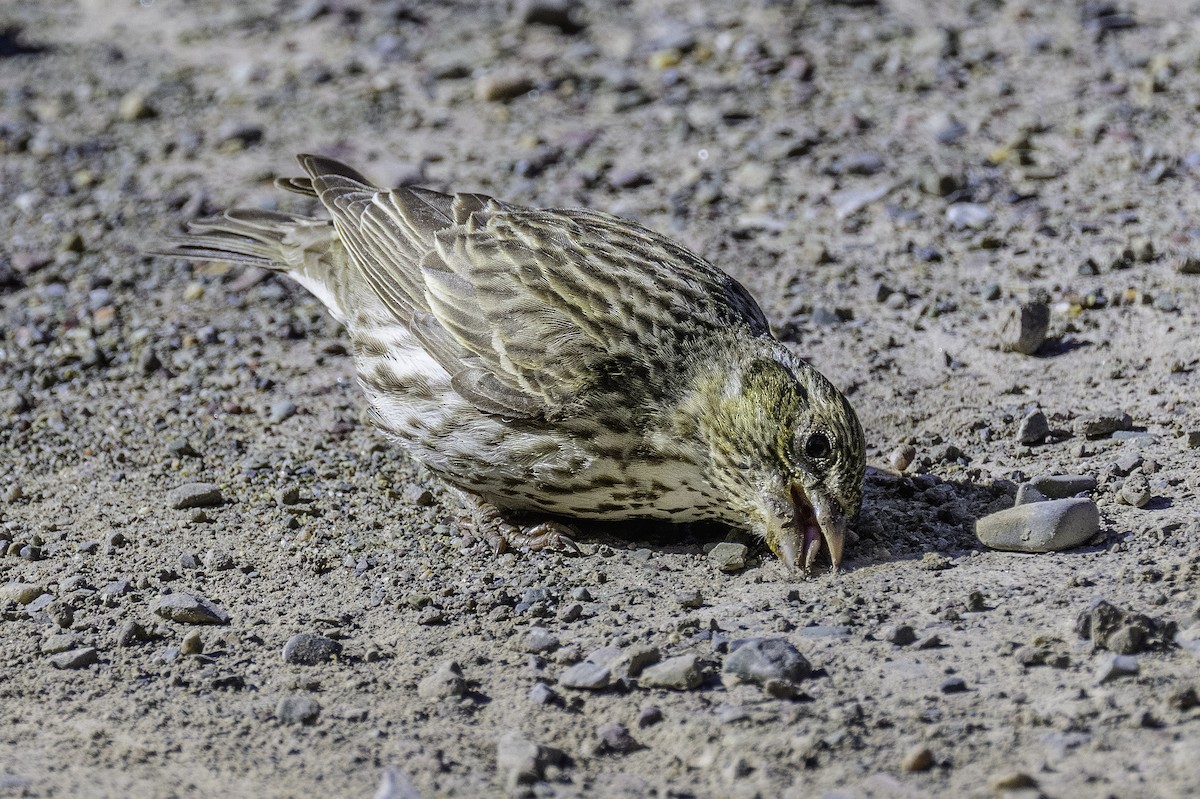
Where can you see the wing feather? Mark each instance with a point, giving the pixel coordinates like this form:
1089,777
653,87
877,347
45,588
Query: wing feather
526,309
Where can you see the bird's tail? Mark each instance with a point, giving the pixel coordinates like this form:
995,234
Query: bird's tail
301,246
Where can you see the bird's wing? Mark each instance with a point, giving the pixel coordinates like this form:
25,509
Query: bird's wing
525,308
551,302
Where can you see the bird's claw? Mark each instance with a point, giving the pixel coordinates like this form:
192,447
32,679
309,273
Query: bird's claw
546,535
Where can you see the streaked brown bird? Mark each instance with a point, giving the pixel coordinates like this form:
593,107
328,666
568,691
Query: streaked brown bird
565,363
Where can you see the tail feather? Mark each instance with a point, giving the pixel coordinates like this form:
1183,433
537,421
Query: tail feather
304,247
263,238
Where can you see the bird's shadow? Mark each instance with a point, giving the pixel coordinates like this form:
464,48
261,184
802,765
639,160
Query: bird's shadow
904,517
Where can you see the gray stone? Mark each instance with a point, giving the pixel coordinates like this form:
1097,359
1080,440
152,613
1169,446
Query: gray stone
297,709
1023,328
1041,526
633,660
444,683
217,561
1033,429
281,411
520,761
551,13
680,673
1116,666
1105,423
968,215
501,87
395,783
899,634
1189,640
21,593
1135,491
195,495
953,685
615,737
759,660
189,609
193,644
130,633
61,642
1026,493
586,676
75,658
1062,486
537,640
309,649
728,557
1126,463
543,694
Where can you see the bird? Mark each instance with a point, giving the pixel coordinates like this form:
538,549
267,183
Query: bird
564,364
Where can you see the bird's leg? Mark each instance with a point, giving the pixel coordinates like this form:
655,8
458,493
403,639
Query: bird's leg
488,522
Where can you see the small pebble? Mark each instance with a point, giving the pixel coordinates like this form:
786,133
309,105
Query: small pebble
953,685
917,759
192,644
1116,666
759,660
543,694
130,633
899,634
551,13
968,215
537,640
902,457
21,593
728,557
394,783
586,676
1063,486
189,609
297,710
281,411
1135,491
1034,428
1188,264
500,88
217,561
615,737
61,642
680,673
521,761
309,649
444,683
1012,781
75,658
1041,526
1099,425
195,495
134,105
1026,493
649,715
1023,328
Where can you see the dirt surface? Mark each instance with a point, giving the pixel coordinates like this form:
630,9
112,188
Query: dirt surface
891,180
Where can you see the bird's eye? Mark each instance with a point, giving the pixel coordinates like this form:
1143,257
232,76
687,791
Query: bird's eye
817,446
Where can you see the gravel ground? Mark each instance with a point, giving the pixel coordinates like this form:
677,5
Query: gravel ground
979,218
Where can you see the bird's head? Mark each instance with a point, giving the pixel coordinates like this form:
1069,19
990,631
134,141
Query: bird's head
789,451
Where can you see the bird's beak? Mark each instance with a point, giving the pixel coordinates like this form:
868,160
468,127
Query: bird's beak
817,520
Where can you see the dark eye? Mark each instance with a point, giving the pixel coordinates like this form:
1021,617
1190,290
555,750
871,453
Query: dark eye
818,447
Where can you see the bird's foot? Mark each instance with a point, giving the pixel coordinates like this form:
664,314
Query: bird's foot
484,520
546,535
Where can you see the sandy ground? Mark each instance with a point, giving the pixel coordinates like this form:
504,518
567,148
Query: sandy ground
890,180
